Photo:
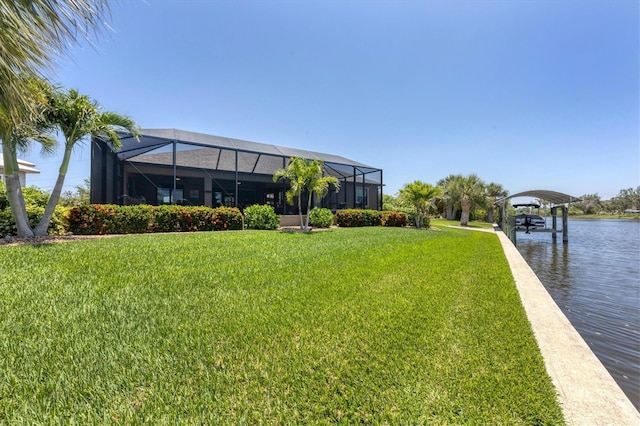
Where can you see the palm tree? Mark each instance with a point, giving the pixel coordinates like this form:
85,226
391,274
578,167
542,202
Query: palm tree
17,137
470,190
305,176
32,33
420,195
449,195
79,117
493,192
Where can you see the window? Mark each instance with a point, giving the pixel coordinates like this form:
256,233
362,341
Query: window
362,197
166,196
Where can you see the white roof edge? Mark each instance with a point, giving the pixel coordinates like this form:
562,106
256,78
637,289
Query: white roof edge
23,166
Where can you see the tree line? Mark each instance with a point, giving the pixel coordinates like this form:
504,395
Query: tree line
455,197
628,199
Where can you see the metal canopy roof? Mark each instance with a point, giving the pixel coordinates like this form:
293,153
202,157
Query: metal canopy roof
152,140
551,196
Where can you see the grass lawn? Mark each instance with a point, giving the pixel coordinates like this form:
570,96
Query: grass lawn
368,325
472,223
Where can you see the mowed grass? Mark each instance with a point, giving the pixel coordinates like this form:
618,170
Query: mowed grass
369,325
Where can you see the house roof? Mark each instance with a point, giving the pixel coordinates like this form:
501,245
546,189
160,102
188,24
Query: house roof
23,166
203,151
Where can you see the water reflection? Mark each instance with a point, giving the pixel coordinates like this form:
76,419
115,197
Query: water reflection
595,280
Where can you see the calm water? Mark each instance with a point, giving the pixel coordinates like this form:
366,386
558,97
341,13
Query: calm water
595,280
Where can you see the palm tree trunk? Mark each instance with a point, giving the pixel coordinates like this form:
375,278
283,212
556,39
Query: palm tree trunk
450,211
300,211
466,209
306,226
43,225
14,192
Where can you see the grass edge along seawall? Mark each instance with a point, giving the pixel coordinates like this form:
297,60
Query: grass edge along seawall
347,325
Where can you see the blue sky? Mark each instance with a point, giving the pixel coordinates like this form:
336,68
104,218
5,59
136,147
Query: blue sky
529,94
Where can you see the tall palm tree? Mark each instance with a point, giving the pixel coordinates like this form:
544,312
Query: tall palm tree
305,176
32,34
470,190
79,117
420,195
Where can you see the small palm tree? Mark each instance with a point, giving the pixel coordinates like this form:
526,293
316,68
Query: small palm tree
420,195
79,117
305,176
471,190
17,136
493,192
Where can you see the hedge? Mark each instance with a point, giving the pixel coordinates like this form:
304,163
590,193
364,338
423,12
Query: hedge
97,219
354,218
391,218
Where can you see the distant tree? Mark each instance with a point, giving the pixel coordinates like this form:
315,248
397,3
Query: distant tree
590,204
470,190
79,197
305,177
630,198
421,196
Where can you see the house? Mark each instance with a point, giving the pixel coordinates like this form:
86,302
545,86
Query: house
24,168
170,166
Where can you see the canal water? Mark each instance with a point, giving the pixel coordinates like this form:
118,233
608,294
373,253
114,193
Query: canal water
595,280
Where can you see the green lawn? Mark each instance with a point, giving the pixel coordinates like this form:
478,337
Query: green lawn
472,224
369,325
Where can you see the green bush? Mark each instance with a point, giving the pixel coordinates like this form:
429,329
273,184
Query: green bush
426,222
97,219
57,225
354,218
261,217
394,219
320,217
4,201
34,196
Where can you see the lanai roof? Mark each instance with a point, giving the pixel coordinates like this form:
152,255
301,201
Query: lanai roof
151,139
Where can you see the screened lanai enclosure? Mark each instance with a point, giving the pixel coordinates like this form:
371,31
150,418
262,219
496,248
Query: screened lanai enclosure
170,166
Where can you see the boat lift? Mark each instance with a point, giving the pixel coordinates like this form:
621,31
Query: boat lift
559,203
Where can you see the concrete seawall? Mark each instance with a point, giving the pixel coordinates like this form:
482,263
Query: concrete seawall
586,391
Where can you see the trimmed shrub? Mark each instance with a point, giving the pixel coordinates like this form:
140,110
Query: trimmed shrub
227,219
97,219
320,217
355,218
394,219
261,217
